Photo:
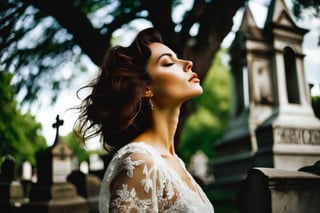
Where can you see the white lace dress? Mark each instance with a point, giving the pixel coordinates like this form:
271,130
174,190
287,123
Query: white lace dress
139,180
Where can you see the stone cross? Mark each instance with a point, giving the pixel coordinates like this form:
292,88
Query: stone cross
56,125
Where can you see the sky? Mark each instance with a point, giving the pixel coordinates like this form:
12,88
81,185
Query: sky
67,98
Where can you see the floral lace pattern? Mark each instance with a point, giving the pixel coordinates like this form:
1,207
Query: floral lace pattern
139,180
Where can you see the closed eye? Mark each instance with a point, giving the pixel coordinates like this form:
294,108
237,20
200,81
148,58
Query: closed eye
168,65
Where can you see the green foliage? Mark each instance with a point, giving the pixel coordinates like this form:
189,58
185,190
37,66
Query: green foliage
78,148
90,6
300,5
19,133
207,123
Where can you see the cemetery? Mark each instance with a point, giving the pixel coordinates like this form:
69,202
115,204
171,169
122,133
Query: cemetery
268,161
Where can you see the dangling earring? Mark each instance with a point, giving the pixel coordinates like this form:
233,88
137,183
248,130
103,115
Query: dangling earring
151,104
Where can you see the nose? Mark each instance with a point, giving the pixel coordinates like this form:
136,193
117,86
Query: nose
188,66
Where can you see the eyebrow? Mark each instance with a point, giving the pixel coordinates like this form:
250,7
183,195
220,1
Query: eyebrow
165,54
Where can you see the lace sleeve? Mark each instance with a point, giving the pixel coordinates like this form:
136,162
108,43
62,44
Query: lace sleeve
133,189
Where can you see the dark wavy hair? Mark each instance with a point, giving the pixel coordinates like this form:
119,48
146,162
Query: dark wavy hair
117,109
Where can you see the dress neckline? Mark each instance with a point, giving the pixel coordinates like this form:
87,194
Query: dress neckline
175,173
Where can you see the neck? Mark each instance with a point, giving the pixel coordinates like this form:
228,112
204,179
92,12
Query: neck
163,129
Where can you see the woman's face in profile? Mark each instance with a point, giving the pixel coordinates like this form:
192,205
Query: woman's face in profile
172,78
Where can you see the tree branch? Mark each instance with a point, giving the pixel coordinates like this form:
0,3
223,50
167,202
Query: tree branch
191,18
161,18
90,39
215,23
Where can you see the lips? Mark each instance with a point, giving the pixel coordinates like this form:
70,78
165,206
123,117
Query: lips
194,77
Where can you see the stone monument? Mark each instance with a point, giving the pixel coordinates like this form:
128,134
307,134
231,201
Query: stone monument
268,190
88,186
272,122
11,191
52,192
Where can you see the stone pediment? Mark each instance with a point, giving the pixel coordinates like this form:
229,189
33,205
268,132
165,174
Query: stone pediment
248,25
279,15
279,12
61,149
285,20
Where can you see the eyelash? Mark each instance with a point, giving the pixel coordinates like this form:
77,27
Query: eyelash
168,65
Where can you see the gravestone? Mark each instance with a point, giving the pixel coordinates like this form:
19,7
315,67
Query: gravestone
88,186
96,165
272,122
93,184
268,190
6,177
199,167
26,170
52,192
7,172
26,178
84,167
11,191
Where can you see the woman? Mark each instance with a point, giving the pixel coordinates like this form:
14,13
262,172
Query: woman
134,105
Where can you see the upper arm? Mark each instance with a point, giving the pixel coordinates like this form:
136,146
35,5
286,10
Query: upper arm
134,187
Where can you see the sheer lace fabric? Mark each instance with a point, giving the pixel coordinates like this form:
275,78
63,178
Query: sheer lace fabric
139,180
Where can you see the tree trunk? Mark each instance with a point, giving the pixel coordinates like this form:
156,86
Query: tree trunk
214,19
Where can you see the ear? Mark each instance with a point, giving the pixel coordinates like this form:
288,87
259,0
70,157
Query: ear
147,93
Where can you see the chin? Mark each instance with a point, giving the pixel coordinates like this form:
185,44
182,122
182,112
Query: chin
196,93
199,91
